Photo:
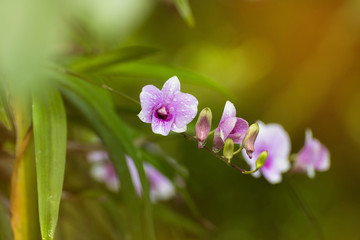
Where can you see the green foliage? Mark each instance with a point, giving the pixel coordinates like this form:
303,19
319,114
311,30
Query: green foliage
107,59
49,123
97,107
160,71
176,219
184,9
4,110
5,229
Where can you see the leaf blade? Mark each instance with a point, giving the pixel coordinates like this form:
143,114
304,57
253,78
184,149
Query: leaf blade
162,71
49,120
4,111
121,55
184,9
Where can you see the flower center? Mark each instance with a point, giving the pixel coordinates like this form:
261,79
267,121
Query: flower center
162,113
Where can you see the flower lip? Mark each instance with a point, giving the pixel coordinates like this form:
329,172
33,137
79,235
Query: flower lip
162,113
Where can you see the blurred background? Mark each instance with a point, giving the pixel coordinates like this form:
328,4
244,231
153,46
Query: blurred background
291,62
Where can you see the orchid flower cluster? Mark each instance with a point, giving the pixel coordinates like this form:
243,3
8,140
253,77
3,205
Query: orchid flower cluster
265,147
169,109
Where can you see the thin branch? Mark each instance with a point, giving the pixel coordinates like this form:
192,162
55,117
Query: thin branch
188,136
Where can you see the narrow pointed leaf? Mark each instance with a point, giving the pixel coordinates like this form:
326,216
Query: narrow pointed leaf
49,120
98,62
4,111
162,71
184,9
3,116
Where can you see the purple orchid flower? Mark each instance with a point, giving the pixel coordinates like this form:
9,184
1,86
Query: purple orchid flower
230,126
313,156
102,170
275,140
161,188
167,109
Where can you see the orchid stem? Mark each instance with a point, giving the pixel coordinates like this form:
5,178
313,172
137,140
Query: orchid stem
239,150
243,171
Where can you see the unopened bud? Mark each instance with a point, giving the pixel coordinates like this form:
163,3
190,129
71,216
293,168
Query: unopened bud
250,137
228,151
261,159
203,126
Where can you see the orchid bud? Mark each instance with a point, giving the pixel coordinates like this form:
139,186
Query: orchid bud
228,151
250,137
261,159
203,126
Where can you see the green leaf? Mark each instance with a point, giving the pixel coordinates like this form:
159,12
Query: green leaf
184,9
189,201
4,111
161,71
5,229
49,121
97,107
121,55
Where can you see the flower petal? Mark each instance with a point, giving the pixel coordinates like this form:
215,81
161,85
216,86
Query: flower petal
273,176
97,156
239,130
323,162
150,97
161,126
134,175
170,88
218,143
177,129
160,187
185,106
226,127
313,156
274,139
229,111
